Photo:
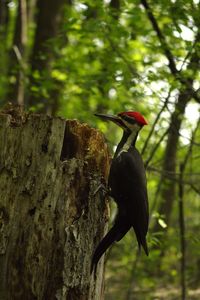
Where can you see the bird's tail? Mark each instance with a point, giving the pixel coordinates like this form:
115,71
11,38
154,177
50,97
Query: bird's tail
116,233
142,241
145,247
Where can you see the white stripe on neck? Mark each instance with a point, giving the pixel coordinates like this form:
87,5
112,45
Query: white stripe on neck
129,141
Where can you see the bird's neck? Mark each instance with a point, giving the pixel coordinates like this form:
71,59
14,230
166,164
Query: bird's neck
128,140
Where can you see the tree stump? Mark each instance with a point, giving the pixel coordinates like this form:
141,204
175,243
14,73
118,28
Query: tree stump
50,219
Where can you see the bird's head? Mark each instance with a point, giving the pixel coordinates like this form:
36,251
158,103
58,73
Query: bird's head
129,120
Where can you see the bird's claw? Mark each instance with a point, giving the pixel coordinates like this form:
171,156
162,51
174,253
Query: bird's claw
103,189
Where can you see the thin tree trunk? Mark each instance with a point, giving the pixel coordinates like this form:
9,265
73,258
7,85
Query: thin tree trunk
186,93
31,10
182,233
49,19
169,164
50,219
3,17
16,88
4,20
58,86
182,214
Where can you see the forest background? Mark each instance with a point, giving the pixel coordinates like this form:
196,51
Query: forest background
72,59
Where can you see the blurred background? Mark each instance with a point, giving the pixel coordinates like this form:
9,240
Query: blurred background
73,58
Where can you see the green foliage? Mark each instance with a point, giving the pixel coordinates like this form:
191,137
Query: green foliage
110,60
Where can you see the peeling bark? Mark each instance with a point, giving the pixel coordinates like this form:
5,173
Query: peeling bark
50,221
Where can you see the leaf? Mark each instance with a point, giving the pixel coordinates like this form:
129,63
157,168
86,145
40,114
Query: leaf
162,223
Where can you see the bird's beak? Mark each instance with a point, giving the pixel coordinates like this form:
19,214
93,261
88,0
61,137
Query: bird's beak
117,120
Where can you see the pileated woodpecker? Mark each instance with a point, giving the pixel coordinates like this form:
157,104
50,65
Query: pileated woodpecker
127,185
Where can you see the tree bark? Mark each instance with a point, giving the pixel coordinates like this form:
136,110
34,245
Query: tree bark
50,219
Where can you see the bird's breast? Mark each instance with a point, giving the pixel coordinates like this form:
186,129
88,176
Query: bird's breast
127,179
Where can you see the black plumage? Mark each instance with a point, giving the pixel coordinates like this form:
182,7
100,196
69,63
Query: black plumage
128,188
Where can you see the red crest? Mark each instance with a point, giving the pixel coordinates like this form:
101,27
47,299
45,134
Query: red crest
135,115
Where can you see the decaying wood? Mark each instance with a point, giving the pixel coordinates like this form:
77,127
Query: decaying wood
50,221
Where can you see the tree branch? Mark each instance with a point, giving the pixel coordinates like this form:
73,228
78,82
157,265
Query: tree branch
161,37
156,147
155,122
173,177
195,57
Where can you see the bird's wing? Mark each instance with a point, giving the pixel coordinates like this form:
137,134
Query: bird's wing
127,181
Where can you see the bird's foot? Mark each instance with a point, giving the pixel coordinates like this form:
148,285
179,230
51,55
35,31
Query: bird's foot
103,189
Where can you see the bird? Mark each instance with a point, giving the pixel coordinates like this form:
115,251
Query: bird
127,185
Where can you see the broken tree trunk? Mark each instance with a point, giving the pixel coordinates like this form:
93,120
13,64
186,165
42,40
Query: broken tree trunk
50,219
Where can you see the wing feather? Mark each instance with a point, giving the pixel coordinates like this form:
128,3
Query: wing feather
127,182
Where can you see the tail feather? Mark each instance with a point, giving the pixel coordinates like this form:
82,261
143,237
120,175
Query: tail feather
145,247
116,233
141,241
